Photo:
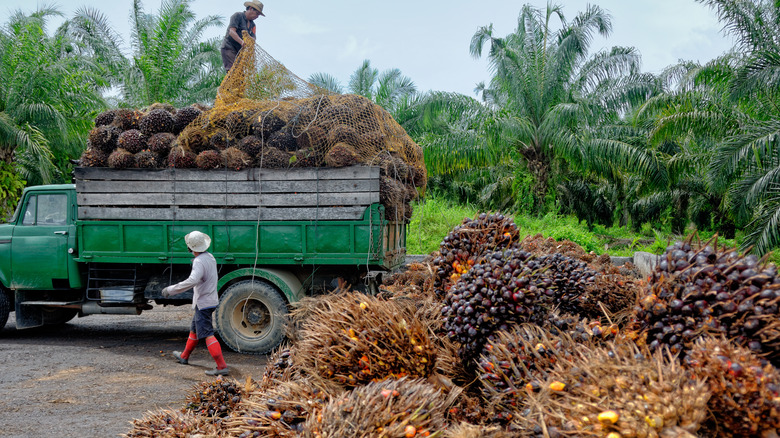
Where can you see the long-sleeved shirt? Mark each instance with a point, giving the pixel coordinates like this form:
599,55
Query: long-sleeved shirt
202,281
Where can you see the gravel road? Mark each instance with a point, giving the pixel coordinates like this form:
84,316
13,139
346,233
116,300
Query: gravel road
92,376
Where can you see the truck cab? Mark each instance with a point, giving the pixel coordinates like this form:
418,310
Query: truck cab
37,256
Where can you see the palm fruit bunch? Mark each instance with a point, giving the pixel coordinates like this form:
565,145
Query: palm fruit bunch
280,411
146,160
132,141
251,145
466,430
509,287
180,158
311,137
616,391
195,140
466,243
156,120
341,155
349,339
126,118
93,157
236,159
582,329
272,158
282,140
209,160
265,123
121,159
238,122
171,424
279,368
517,362
222,139
214,399
305,158
745,390
105,118
104,138
706,289
183,117
389,408
612,293
160,143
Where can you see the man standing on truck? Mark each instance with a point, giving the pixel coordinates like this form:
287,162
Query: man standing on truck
203,282
239,22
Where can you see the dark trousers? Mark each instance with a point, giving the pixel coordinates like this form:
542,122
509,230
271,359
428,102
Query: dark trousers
228,57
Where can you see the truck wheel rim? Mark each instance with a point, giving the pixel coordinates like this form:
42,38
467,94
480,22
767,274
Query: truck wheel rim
251,318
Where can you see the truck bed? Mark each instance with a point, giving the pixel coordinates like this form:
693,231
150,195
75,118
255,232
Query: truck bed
313,216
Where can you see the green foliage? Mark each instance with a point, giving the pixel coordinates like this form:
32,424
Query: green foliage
49,92
11,186
169,63
431,220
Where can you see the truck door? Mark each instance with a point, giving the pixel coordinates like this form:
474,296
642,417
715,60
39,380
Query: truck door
39,247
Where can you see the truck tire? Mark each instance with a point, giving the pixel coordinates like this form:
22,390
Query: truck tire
54,316
5,307
251,317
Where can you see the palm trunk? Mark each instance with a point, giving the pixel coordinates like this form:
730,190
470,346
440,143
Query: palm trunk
539,167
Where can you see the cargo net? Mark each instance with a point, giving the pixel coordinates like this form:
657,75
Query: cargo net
265,116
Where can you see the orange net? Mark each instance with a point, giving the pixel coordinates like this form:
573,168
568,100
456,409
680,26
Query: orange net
266,116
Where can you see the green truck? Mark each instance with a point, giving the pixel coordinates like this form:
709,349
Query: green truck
109,243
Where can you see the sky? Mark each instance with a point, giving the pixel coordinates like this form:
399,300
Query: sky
428,40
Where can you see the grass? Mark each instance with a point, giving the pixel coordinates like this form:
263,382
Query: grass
434,218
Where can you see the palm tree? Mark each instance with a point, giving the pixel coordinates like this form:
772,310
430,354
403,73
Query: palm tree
731,112
388,89
49,94
548,105
170,63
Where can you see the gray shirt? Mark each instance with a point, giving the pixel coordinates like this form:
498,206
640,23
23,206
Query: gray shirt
202,281
239,21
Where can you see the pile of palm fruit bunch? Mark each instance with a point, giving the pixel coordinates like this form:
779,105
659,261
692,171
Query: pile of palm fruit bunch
745,390
391,408
700,288
127,138
352,339
547,365
466,243
214,399
615,391
320,131
171,424
517,362
279,410
506,288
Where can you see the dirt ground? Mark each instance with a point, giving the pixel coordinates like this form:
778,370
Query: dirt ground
92,376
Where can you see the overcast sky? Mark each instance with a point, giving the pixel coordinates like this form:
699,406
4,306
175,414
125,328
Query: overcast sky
428,40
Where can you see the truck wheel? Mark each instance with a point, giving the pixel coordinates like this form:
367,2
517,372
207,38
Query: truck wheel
251,317
5,307
58,316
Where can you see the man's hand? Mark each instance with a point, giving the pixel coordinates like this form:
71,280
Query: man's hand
165,293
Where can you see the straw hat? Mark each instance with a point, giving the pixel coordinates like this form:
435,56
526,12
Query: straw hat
197,241
255,4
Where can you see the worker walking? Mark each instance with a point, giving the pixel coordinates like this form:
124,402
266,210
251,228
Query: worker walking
203,282
239,22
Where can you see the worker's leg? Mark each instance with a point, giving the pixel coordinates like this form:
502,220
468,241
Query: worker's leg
192,342
205,329
216,352
228,58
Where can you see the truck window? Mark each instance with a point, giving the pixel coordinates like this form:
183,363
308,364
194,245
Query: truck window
29,212
46,210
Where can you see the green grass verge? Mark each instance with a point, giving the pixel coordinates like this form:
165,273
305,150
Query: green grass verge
434,218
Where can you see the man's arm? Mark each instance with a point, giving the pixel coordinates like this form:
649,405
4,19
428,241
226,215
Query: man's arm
234,34
195,275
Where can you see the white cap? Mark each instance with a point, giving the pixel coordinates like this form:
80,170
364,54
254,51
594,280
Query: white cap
197,241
